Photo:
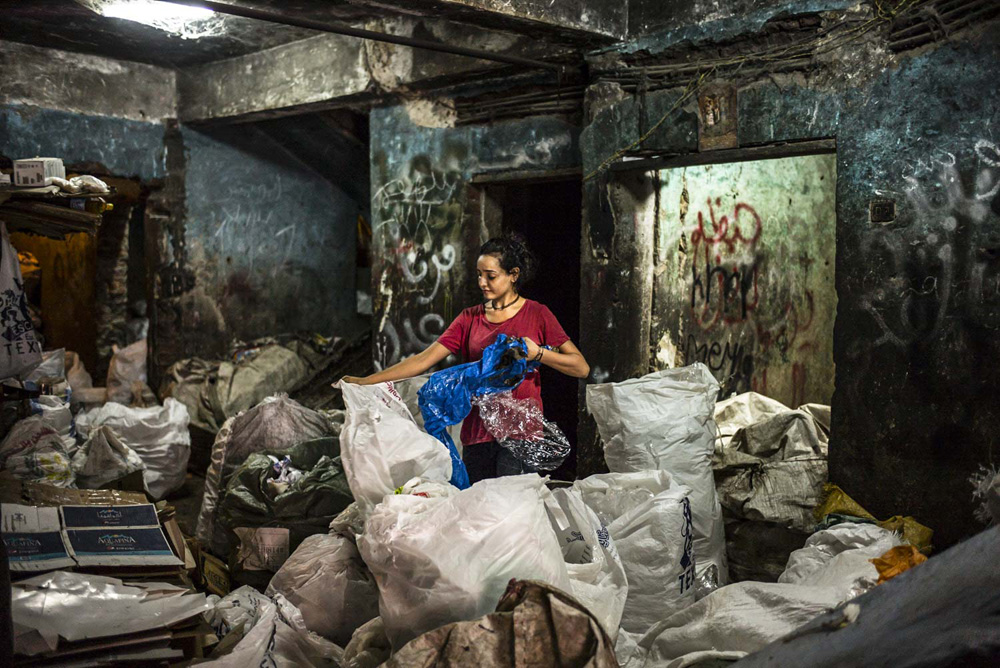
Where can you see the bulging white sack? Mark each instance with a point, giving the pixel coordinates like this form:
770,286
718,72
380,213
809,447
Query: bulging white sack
275,424
649,518
274,633
56,414
382,447
103,459
442,560
158,434
664,420
838,558
595,569
32,450
127,369
730,623
328,582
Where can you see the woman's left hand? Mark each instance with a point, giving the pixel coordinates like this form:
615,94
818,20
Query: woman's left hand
533,348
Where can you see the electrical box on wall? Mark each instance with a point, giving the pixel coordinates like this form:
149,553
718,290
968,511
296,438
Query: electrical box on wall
35,171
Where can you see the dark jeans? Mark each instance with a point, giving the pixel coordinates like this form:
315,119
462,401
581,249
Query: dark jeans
491,460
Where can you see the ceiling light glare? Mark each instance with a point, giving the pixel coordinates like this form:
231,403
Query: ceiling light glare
187,22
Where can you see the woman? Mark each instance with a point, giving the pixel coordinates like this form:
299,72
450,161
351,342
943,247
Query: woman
504,267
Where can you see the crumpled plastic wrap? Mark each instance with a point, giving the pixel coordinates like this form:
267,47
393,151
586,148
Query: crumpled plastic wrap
520,426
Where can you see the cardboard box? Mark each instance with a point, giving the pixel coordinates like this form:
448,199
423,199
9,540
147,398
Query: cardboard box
214,573
35,171
116,536
33,538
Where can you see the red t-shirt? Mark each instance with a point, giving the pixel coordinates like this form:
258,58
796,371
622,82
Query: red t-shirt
471,333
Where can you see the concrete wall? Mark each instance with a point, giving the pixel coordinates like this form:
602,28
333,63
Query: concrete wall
270,241
244,238
744,275
427,219
914,410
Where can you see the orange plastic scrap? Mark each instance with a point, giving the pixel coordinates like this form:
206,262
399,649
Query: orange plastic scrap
895,561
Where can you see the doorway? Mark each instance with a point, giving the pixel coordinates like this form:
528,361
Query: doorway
548,215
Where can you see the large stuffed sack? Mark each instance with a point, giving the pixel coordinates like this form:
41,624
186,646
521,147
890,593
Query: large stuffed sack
649,517
534,625
840,558
126,372
382,447
595,569
21,351
56,413
32,450
665,421
273,425
447,559
305,507
730,623
272,632
158,434
104,459
328,582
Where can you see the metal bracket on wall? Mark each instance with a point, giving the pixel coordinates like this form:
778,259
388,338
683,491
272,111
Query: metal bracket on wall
717,118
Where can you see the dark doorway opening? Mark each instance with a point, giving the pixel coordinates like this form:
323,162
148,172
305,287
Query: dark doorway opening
548,214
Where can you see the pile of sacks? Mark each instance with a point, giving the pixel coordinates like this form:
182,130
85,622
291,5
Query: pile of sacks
215,390
630,565
93,448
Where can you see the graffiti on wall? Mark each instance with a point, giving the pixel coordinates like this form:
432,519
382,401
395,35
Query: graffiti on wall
749,291
417,222
933,278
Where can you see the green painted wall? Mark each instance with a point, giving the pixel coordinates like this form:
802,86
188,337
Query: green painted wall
744,274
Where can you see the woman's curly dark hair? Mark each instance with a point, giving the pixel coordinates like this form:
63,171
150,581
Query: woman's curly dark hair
513,253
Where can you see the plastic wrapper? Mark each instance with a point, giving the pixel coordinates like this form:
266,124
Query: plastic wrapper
706,582
519,426
446,398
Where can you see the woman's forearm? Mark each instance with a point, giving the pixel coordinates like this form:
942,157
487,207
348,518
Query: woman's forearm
571,364
408,368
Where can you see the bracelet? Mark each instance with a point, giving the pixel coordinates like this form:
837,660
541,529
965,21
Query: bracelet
538,357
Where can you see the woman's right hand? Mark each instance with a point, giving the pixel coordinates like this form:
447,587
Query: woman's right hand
355,380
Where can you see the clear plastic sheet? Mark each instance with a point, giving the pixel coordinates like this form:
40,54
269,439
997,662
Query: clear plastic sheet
519,426
706,582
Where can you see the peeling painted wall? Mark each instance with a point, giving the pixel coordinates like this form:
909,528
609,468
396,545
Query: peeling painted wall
426,234
744,275
914,408
270,242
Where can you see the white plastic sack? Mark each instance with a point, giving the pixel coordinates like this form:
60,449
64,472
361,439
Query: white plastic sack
649,518
592,562
382,447
743,410
730,623
56,413
158,434
76,373
34,451
442,560
103,459
838,558
664,420
20,351
274,633
326,579
52,368
275,424
127,369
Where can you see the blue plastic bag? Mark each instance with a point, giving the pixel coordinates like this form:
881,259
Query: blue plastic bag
446,397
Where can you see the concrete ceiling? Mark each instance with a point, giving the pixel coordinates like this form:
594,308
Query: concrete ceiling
68,26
